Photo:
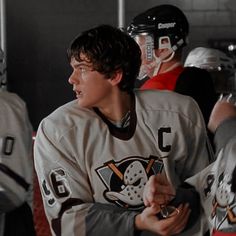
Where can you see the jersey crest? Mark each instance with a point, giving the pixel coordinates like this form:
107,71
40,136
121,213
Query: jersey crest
224,203
217,187
125,180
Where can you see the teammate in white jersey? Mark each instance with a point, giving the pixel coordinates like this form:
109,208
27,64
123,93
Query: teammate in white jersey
94,155
16,167
217,183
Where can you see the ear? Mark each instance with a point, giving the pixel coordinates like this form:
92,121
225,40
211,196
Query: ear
116,78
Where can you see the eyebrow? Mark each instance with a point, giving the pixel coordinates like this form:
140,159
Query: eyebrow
82,64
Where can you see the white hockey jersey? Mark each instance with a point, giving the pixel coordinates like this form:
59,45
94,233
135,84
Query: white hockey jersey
92,174
16,162
215,182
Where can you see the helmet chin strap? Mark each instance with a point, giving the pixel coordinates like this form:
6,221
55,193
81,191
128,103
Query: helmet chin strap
165,57
152,69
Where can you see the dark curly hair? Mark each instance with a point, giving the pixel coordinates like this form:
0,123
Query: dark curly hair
109,49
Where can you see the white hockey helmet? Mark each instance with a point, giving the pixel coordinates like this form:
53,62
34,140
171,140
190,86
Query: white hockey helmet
209,59
221,67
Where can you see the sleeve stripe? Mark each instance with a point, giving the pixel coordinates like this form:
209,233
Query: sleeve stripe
17,178
69,203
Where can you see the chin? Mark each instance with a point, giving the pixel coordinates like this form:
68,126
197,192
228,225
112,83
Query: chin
83,104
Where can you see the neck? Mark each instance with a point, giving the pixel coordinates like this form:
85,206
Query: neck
117,106
168,66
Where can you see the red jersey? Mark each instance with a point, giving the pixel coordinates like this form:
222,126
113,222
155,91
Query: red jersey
164,81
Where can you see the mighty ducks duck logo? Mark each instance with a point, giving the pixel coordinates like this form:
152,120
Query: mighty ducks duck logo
125,180
224,203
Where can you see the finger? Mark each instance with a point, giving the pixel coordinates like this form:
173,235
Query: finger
149,191
149,195
162,200
165,186
181,226
152,210
154,191
168,226
157,198
157,191
183,211
177,222
182,221
162,185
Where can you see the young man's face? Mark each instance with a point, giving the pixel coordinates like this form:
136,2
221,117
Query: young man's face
91,87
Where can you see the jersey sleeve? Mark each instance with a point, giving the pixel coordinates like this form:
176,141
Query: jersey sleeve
68,197
225,134
16,163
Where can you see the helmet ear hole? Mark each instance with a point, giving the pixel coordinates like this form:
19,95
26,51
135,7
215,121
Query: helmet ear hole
164,43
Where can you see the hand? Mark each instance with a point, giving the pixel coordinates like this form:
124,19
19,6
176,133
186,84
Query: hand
158,191
148,220
223,109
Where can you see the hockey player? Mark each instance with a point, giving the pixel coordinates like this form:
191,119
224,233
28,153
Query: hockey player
94,155
216,184
162,33
16,165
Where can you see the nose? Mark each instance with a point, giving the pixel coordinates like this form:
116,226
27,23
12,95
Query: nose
73,79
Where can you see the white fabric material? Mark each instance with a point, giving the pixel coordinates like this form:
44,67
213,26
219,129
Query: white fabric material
214,182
